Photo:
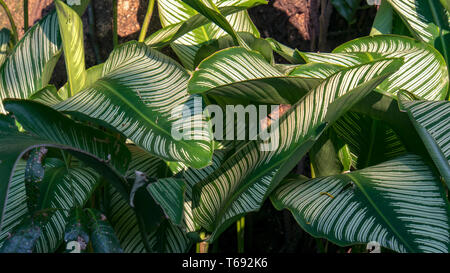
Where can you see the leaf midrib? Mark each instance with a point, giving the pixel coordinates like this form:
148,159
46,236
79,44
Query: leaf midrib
354,177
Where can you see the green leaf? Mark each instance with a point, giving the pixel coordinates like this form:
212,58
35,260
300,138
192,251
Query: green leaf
246,179
315,70
34,174
208,9
52,129
291,55
193,176
130,224
5,36
23,239
248,76
142,94
446,4
383,20
170,33
63,189
15,208
383,108
30,65
257,44
324,156
71,28
423,74
174,12
48,96
169,238
427,20
370,141
388,22
400,204
76,229
169,194
102,234
431,120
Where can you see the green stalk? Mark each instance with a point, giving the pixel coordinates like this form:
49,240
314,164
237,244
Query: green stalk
320,246
11,21
115,35
25,15
240,225
148,17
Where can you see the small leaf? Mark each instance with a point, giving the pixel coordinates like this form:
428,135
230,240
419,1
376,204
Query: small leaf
23,239
102,234
169,194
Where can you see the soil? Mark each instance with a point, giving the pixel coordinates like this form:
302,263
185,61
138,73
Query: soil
301,24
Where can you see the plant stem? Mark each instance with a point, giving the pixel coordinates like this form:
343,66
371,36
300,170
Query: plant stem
203,246
115,35
25,15
320,246
92,34
240,225
11,21
148,17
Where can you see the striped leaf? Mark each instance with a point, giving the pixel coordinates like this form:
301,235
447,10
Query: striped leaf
165,237
370,141
383,108
146,163
400,204
248,76
124,221
246,179
48,96
315,70
29,66
173,12
169,239
388,22
170,33
63,189
169,194
15,208
5,36
142,94
431,120
209,9
427,20
48,128
424,73
71,28
259,45
124,218
193,176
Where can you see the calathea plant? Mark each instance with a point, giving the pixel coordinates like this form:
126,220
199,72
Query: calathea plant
131,155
